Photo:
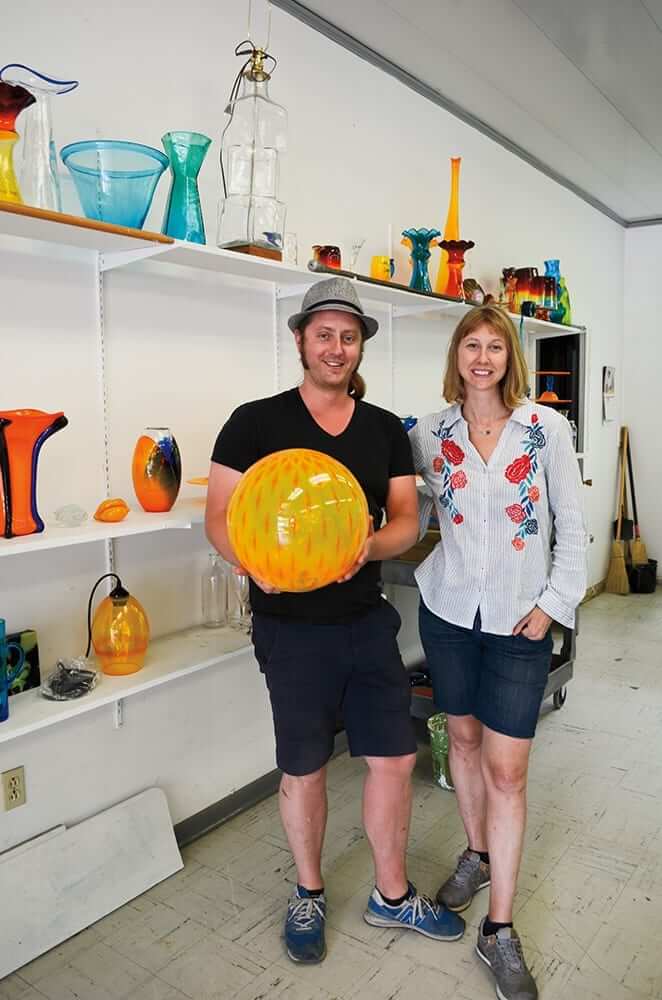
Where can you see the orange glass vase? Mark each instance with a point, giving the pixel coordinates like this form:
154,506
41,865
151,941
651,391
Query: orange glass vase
13,100
22,433
452,227
156,469
456,250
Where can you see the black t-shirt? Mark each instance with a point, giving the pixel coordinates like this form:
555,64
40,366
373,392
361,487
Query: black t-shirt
374,446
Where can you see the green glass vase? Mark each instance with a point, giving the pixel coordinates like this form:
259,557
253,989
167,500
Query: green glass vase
183,215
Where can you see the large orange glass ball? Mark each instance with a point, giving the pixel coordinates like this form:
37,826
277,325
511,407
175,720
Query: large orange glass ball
298,520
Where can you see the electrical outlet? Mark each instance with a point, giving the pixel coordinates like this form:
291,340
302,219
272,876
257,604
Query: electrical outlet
13,787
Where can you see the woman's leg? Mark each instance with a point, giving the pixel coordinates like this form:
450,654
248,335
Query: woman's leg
465,742
505,763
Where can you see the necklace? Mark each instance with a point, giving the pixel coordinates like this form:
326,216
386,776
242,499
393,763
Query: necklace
487,430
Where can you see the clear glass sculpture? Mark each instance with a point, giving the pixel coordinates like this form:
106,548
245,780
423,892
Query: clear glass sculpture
253,143
38,173
183,215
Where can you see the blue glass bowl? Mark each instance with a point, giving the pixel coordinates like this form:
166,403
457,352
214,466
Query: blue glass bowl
115,180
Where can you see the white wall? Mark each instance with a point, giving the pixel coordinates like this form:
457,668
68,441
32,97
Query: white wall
640,379
184,348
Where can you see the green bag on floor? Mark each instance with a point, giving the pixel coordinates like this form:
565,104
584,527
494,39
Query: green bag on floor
441,772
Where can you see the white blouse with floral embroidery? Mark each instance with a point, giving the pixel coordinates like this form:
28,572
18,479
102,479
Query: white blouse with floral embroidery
512,529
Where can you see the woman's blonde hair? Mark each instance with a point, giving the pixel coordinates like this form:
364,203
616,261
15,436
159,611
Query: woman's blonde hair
515,383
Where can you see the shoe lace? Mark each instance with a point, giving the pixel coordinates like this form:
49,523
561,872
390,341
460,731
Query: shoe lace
417,907
304,913
465,868
511,952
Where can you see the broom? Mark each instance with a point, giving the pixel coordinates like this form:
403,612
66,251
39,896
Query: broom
617,577
638,554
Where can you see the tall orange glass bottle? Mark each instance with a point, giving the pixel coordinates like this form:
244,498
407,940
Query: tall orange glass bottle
452,227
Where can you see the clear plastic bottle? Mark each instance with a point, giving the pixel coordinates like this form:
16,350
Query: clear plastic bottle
215,592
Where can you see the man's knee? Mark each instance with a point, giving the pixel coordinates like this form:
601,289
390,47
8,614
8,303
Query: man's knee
391,767
302,783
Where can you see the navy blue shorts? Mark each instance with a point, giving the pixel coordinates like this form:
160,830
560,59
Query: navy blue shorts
318,674
499,679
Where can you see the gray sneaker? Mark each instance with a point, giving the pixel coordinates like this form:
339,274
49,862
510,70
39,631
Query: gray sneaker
503,953
470,875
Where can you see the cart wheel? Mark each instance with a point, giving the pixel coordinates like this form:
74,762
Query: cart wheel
560,697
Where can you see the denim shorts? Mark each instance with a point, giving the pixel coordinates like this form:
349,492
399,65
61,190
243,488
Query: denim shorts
499,679
320,675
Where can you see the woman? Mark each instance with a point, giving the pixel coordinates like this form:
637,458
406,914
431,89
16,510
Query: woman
510,561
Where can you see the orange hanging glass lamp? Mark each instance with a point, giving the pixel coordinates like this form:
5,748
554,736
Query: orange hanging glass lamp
119,631
452,227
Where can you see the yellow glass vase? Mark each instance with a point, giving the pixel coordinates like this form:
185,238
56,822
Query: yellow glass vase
9,189
452,227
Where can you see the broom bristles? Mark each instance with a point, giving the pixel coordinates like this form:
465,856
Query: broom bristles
617,577
638,554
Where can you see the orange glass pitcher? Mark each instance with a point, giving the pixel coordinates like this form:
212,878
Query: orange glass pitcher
22,434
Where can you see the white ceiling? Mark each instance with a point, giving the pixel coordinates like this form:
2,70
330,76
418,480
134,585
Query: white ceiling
576,84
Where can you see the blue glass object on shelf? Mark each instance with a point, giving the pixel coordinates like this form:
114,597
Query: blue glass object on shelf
183,215
115,180
420,255
39,181
409,422
274,239
8,674
562,312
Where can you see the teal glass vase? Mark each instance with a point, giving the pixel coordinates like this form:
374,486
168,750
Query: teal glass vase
183,215
420,255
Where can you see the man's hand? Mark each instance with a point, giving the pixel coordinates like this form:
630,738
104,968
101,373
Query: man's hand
364,556
534,626
262,584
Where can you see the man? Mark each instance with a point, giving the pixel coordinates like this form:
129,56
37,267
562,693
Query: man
333,652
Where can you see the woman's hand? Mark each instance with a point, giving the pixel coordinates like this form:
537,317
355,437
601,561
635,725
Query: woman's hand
534,626
364,556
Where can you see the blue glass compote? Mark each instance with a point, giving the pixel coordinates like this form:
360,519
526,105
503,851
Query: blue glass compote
420,255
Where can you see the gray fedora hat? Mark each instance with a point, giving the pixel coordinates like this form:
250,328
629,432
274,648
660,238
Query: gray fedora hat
338,294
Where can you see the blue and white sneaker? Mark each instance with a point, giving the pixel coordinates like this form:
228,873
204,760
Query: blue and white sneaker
417,913
304,927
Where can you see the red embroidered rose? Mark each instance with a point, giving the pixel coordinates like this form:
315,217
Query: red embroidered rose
519,469
534,494
458,480
452,452
516,513
534,418
437,463
518,544
457,519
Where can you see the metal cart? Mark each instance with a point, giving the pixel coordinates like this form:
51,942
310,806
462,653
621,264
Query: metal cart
422,706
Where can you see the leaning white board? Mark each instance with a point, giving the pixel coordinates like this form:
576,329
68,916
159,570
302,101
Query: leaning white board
59,884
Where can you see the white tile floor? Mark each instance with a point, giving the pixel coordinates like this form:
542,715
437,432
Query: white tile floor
589,907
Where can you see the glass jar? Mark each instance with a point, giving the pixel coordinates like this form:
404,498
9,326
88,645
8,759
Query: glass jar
215,592
438,730
252,148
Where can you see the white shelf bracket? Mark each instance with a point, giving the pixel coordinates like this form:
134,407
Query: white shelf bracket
120,258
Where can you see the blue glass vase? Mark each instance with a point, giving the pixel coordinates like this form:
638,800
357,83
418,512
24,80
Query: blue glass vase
420,255
183,214
115,180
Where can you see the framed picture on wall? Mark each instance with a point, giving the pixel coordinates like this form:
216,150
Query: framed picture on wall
608,393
